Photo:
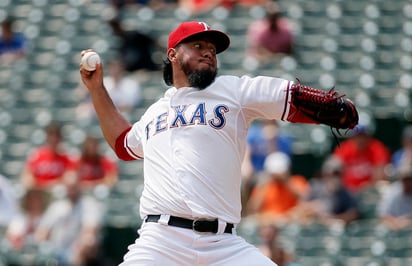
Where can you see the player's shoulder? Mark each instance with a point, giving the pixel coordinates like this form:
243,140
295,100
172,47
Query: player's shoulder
230,80
248,80
226,78
226,84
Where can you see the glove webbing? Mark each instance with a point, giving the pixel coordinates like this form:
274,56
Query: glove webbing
314,95
319,97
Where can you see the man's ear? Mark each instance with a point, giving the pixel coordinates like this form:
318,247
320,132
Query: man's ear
171,54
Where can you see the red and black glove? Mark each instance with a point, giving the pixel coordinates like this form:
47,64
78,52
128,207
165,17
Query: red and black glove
310,105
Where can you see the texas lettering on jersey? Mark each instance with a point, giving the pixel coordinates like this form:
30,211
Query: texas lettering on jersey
187,115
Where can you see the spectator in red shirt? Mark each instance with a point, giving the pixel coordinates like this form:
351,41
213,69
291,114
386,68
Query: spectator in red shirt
364,158
48,163
95,168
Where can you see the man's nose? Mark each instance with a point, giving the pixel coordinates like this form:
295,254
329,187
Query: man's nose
207,53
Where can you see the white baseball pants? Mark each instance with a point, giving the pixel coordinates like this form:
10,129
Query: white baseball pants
160,245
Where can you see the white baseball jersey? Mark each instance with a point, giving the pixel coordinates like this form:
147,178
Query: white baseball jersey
193,143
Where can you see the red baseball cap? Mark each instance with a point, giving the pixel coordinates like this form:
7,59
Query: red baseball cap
188,29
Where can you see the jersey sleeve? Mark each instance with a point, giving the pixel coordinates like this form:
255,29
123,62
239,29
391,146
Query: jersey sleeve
128,145
133,141
265,97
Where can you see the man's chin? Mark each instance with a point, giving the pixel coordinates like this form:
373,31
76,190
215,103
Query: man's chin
201,79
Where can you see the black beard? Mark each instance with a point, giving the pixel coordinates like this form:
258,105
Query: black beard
199,79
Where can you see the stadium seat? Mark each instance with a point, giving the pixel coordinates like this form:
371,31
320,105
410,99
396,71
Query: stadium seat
399,243
317,245
362,261
318,261
398,261
363,227
362,246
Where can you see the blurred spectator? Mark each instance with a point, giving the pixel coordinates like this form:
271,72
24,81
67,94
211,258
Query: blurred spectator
193,7
364,158
396,206
269,37
328,199
46,165
72,226
249,3
119,4
8,202
134,48
124,90
13,45
264,137
93,167
20,232
164,4
270,246
85,112
276,197
404,154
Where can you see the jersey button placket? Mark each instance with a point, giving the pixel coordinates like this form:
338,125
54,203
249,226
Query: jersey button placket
177,161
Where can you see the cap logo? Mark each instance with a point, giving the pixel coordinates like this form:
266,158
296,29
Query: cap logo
204,25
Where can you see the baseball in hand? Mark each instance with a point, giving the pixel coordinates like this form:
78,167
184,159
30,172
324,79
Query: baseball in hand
89,61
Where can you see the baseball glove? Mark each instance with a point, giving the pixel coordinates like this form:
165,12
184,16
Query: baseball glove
322,107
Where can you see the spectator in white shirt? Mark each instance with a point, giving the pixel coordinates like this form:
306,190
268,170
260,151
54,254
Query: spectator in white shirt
8,201
71,225
124,90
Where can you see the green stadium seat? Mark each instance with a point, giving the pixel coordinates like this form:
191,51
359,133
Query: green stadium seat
366,227
362,261
362,246
322,260
399,243
317,245
399,261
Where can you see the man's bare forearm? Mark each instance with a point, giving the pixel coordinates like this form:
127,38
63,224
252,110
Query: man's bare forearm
111,120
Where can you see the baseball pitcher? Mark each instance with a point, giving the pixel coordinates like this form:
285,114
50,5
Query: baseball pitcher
193,141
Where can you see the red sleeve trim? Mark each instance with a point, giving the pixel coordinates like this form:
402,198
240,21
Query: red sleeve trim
286,102
120,147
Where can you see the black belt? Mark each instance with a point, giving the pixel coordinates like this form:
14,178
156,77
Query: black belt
199,225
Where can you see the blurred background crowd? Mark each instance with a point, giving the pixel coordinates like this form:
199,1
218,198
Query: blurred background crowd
309,198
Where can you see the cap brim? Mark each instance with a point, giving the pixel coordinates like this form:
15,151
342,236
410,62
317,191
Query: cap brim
218,38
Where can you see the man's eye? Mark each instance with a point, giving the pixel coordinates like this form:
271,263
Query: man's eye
198,46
